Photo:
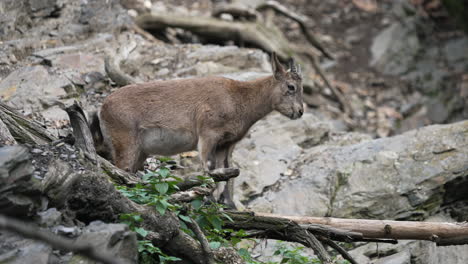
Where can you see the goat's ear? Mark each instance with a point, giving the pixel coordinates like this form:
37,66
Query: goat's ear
278,70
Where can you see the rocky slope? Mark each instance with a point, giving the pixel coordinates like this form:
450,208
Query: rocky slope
52,53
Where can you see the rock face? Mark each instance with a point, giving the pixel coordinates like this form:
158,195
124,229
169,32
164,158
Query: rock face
401,177
432,66
23,199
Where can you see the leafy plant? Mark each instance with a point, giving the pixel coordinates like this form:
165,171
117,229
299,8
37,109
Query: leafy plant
155,190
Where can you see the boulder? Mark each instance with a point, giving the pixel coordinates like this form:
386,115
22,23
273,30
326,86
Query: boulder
401,177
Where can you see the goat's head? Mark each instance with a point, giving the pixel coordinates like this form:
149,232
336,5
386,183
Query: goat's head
287,93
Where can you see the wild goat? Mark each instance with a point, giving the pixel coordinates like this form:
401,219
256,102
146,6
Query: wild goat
210,114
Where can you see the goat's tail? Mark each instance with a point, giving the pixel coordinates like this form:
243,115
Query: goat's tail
98,138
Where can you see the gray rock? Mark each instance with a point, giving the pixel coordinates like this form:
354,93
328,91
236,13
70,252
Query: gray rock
17,250
388,178
49,218
16,171
394,49
24,88
113,238
266,154
403,257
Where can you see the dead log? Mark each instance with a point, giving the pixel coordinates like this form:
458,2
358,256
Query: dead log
441,233
81,132
22,129
5,136
303,22
253,33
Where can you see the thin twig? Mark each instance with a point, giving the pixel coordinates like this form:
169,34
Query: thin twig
302,20
339,96
340,250
203,241
29,231
218,175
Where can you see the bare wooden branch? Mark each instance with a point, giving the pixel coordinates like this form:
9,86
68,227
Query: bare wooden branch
236,10
277,228
22,129
190,195
33,232
81,132
303,21
115,74
203,241
269,39
387,229
337,93
5,136
218,175
340,250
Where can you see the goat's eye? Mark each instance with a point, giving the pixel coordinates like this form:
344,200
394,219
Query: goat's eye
291,88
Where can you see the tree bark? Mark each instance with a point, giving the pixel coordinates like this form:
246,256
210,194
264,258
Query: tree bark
440,232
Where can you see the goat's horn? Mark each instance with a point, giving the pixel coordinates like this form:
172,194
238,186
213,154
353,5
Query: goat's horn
292,65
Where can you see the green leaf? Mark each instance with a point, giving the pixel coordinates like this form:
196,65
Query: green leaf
164,172
215,244
141,231
165,159
160,207
216,222
162,187
137,218
228,217
196,204
185,218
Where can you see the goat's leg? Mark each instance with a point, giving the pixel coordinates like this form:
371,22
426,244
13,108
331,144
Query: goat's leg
224,190
228,192
206,151
127,153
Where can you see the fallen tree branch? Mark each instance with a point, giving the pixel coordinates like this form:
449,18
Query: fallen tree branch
276,228
253,33
218,175
303,22
22,129
340,250
115,74
81,132
449,233
203,241
190,195
33,232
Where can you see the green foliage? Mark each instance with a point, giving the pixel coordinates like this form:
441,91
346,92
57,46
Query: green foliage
146,249
292,255
155,190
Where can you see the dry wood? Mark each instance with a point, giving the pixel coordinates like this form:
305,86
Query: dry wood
22,129
253,33
303,21
33,232
193,225
115,74
83,137
442,233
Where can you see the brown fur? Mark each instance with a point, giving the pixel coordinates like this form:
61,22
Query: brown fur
210,114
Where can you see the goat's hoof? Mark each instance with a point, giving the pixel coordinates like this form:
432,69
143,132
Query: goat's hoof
228,172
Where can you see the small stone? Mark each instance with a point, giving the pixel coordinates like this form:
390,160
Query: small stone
36,151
